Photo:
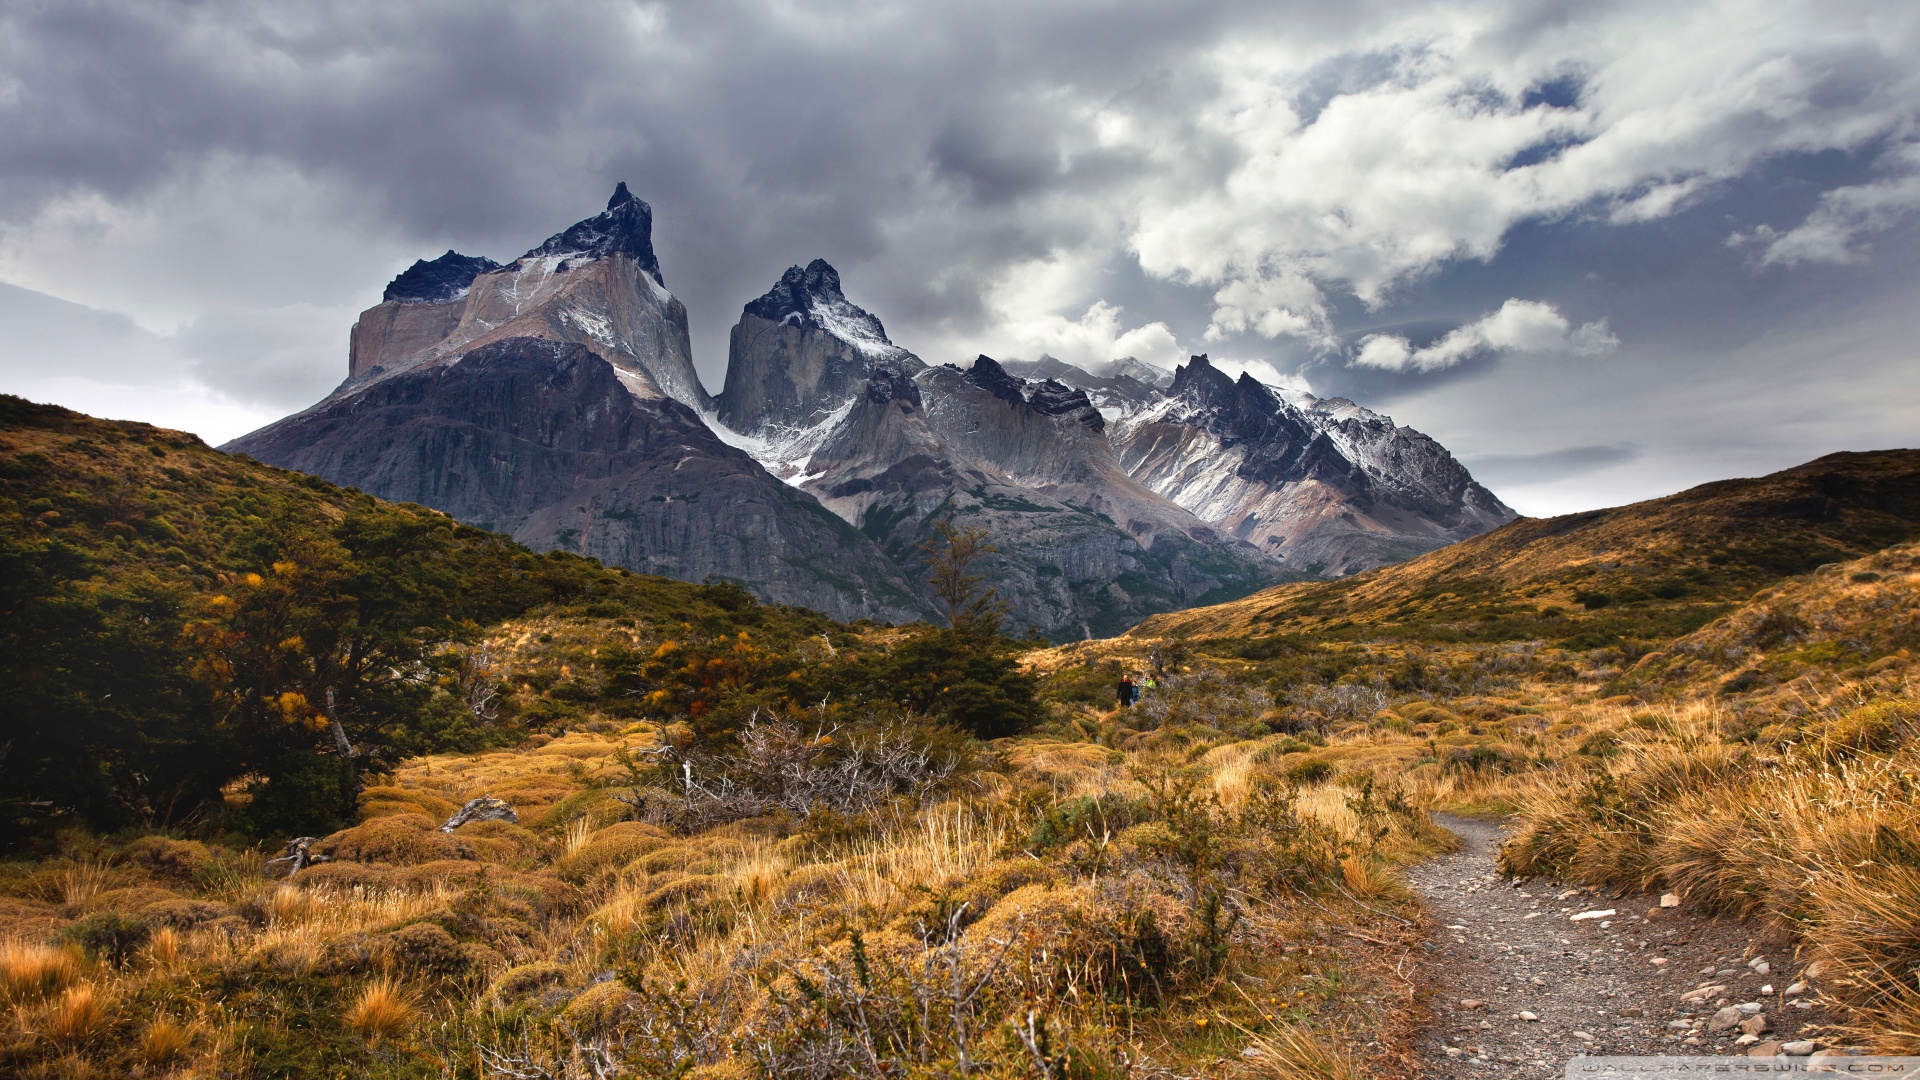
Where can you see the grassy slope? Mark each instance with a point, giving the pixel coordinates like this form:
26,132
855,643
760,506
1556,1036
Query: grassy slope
1650,570
135,500
580,929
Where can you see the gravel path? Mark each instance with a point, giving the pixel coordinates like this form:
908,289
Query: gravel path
1520,986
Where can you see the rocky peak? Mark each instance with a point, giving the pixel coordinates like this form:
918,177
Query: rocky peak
1055,398
987,374
445,278
810,297
1199,380
624,228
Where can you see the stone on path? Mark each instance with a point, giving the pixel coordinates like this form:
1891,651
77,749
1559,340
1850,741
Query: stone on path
1725,1020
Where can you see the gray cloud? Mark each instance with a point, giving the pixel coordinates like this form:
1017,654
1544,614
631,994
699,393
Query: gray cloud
1502,469
1253,179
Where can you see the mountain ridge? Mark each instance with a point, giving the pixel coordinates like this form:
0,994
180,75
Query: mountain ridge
1108,497
1656,568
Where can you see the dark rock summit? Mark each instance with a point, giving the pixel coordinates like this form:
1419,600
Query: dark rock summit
811,298
555,399
445,278
626,228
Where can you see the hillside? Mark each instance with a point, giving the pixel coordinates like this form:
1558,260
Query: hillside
1647,571
173,617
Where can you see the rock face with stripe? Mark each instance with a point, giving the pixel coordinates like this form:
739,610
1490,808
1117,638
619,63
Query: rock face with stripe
554,398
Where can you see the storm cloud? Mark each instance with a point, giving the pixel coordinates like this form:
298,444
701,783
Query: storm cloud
1281,184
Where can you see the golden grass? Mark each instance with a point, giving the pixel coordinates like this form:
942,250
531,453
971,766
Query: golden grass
579,831
31,972
1295,1052
383,1012
77,1015
163,1042
166,948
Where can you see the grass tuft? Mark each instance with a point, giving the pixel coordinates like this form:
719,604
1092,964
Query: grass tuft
382,1013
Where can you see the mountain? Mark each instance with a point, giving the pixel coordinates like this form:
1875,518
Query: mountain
1325,485
554,399
818,393
1647,571
597,283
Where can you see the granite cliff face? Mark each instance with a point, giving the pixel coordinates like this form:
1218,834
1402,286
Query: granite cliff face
817,392
597,283
554,399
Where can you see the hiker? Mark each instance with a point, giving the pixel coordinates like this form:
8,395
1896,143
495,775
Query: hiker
1127,692
1151,683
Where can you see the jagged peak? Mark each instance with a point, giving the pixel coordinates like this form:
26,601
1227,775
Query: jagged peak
624,228
445,278
1199,377
810,297
987,374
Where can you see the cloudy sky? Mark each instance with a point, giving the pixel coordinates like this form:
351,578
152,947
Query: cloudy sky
1602,249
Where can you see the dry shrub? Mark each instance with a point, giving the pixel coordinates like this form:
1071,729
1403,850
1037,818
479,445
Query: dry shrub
72,882
182,862
344,876
424,949
163,1042
610,849
382,1013
808,885
404,840
32,972
182,914
518,982
600,1008
1877,727
77,1015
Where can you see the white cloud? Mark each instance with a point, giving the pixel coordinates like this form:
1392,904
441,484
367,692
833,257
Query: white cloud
1263,371
1437,153
1834,232
1092,340
1520,326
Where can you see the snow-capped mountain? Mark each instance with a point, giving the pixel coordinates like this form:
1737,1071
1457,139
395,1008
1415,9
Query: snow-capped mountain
598,283
1328,486
554,399
817,391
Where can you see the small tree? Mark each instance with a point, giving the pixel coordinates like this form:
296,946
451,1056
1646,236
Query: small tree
974,609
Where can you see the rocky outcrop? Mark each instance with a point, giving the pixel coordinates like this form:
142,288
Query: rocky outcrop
824,399
554,398
546,441
596,283
1324,484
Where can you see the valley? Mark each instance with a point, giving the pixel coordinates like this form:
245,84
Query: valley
744,839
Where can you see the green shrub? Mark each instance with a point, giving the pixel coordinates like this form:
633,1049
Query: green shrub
111,936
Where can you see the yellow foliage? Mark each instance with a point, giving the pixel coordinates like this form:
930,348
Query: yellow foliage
383,1012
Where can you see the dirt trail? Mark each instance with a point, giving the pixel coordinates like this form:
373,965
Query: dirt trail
1612,985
